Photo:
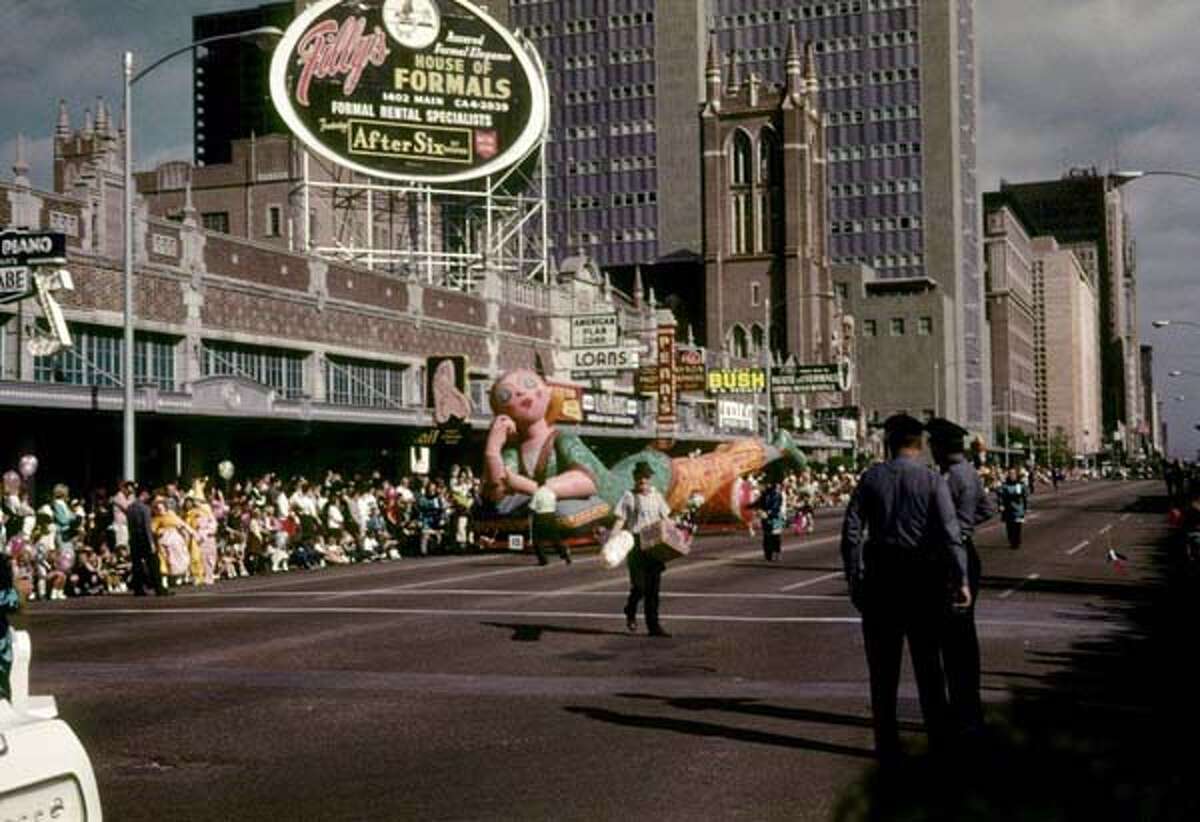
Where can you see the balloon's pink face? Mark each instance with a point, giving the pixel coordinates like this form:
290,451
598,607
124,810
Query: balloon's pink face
522,395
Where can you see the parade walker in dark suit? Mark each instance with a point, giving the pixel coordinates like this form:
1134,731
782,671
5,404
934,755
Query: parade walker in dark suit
899,536
960,640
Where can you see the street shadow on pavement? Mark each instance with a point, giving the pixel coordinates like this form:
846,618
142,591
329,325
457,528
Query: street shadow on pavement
533,633
710,729
753,707
1108,732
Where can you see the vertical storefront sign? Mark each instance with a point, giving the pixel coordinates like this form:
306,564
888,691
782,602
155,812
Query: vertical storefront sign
666,375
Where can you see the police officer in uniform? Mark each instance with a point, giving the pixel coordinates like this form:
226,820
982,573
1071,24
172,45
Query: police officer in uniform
899,535
960,642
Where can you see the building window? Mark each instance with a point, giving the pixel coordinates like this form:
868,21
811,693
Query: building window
363,383
274,368
924,326
274,221
216,221
769,185
868,328
97,358
897,327
843,290
755,296
739,345
741,193
757,338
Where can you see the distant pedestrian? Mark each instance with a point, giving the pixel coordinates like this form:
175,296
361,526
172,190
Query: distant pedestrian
770,503
899,536
636,510
1014,500
960,641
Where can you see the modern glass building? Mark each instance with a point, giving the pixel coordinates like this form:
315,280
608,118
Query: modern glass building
900,88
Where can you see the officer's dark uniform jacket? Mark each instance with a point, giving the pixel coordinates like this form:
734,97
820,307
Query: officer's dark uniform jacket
972,502
899,520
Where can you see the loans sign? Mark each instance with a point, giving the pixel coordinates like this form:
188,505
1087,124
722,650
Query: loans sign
431,91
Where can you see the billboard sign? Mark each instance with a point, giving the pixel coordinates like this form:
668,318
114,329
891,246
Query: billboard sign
736,380
689,369
740,416
609,409
666,376
431,91
594,331
589,362
20,249
810,379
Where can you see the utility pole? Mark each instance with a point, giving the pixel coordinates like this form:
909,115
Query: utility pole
767,368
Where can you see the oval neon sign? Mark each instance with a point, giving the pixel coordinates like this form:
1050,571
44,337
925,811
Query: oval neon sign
431,91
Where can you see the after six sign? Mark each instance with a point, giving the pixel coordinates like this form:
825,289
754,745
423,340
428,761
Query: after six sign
431,91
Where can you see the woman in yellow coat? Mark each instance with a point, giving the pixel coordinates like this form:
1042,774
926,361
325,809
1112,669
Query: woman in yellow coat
175,542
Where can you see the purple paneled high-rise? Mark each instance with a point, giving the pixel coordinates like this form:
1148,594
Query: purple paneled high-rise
900,88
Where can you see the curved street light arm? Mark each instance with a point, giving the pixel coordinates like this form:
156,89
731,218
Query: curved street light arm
1122,177
237,35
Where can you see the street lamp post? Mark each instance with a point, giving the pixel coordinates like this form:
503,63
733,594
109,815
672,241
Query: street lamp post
767,368
129,458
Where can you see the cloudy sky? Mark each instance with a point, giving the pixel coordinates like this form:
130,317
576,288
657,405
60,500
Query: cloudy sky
1109,83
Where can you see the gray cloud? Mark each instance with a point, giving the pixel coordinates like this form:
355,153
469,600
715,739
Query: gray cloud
1107,83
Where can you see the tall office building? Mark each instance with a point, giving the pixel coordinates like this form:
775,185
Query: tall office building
1084,212
899,88
231,94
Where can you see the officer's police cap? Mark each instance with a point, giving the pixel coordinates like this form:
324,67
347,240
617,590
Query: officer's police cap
902,425
942,430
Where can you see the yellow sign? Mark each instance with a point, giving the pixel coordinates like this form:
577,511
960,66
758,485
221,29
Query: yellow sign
736,380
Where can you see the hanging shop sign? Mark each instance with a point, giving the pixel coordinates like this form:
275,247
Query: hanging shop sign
739,416
666,376
736,380
431,91
595,331
609,409
810,379
690,371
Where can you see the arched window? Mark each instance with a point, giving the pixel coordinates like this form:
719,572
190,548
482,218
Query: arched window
768,194
741,190
757,338
739,345
742,159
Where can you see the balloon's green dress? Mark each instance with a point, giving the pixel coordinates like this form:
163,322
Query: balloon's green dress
564,451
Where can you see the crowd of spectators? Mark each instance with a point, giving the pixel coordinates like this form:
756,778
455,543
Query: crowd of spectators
212,530
72,546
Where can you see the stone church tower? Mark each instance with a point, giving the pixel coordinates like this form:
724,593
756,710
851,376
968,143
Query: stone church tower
765,215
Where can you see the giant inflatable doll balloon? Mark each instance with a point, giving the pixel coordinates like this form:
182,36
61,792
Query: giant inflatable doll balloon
530,464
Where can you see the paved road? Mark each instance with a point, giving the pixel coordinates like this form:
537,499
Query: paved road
485,687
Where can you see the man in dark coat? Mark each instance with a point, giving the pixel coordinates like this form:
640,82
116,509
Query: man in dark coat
960,641
899,535
145,573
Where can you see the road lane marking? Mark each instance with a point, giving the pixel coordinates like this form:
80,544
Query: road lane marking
813,581
1106,528
281,579
1078,548
1013,590
1124,517
517,592
606,616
